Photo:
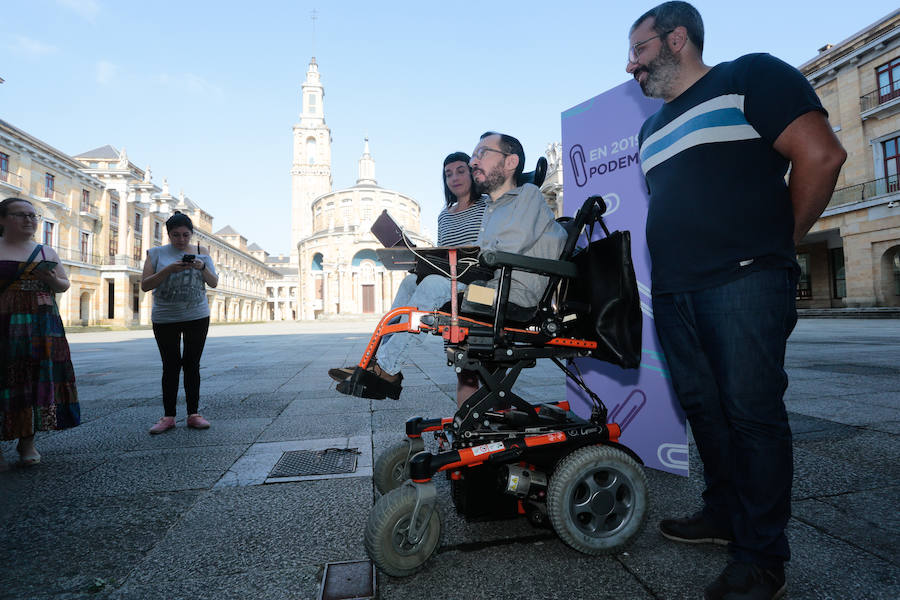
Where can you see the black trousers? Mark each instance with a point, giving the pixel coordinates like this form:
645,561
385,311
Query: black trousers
168,339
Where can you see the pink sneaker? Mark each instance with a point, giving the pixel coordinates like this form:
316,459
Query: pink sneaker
164,424
197,421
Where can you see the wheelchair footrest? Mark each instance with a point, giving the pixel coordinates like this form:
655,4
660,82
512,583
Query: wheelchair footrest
366,384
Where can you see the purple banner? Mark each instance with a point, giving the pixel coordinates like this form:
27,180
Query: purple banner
600,157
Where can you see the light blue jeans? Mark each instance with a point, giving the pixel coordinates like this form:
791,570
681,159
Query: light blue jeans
431,294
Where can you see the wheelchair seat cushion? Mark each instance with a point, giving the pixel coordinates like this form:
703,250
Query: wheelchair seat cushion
514,312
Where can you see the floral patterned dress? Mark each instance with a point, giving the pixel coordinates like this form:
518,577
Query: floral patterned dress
37,380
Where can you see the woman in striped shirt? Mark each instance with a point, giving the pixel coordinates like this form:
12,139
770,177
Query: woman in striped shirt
460,220
458,225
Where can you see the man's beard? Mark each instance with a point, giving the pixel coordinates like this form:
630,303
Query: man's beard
492,181
661,74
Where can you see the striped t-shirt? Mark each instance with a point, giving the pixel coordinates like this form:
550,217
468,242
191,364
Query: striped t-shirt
719,206
460,228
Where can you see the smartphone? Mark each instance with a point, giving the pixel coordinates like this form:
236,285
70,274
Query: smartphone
188,258
45,265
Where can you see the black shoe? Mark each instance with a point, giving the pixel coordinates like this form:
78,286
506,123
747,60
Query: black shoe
745,581
342,373
697,529
366,384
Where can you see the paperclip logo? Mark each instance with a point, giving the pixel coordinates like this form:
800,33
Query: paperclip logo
612,202
674,456
579,167
635,402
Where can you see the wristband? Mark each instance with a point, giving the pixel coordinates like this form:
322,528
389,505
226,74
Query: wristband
202,265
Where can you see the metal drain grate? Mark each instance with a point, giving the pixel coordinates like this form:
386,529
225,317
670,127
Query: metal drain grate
300,463
349,580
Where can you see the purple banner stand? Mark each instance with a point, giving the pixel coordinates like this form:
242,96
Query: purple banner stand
600,157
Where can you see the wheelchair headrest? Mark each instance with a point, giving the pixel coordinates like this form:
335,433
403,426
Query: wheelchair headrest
537,176
590,212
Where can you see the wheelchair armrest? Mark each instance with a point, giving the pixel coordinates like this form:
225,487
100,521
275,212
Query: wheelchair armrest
494,259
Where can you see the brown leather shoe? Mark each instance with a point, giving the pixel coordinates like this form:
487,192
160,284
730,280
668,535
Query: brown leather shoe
342,373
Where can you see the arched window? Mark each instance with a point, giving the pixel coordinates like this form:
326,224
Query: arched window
363,255
316,262
311,150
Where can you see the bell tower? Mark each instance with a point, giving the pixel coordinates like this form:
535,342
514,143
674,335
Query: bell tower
311,169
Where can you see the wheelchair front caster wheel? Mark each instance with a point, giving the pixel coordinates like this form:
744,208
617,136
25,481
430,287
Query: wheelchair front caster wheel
391,467
597,499
387,533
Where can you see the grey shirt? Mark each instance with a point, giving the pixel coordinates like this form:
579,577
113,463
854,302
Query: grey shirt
182,296
521,222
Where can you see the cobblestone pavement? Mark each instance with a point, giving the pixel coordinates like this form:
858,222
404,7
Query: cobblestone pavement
112,512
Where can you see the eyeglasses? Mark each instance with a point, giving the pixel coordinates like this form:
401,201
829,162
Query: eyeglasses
634,52
23,216
479,152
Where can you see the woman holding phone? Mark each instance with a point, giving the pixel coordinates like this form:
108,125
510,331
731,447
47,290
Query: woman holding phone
37,381
178,274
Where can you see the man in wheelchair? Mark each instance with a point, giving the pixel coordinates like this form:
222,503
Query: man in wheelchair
503,456
517,220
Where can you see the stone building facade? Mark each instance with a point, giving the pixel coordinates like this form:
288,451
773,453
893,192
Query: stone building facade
281,293
851,257
101,213
332,249
552,188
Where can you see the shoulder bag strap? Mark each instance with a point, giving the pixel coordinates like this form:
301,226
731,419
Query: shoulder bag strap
21,268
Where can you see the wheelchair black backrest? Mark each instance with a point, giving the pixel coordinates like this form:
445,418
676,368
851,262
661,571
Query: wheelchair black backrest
537,176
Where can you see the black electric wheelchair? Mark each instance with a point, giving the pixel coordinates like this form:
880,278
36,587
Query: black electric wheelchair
504,456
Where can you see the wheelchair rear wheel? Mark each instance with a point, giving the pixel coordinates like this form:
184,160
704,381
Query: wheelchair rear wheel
597,499
391,467
386,533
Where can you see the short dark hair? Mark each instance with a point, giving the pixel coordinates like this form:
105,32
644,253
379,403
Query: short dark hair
669,15
179,219
510,145
448,195
4,207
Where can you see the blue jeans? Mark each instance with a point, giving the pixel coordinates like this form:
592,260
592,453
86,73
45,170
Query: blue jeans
725,349
430,294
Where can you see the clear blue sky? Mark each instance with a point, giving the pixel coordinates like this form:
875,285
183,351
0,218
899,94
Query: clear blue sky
206,92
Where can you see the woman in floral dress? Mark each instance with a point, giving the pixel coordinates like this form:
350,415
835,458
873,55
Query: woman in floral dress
37,381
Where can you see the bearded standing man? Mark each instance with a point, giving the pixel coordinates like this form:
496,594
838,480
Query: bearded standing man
721,228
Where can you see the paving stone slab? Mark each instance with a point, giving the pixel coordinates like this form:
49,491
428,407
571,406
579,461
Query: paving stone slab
44,545
868,450
262,528
826,567
250,406
164,470
847,517
807,429
842,410
298,583
543,569
320,406
815,476
294,426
